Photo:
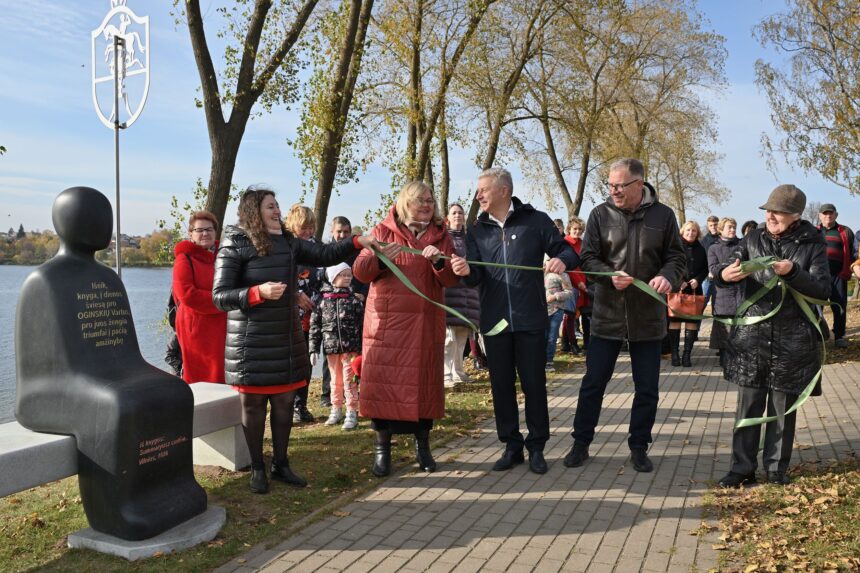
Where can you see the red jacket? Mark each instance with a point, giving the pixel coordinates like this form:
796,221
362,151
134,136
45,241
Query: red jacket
404,335
577,276
200,327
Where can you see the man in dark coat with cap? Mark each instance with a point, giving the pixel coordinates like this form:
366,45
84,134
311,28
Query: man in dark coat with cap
840,254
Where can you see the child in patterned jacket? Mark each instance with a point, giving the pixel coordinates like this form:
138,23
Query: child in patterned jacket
336,325
558,290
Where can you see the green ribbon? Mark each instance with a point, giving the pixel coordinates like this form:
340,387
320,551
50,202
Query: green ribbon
752,265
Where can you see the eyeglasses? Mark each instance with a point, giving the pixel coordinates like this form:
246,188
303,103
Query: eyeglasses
203,230
425,201
621,186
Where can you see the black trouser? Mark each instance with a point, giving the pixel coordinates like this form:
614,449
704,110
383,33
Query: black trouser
325,397
508,354
838,296
778,436
599,366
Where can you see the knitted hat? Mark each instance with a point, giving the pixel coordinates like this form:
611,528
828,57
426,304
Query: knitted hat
332,272
786,199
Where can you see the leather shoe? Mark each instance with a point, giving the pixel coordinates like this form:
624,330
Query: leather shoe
281,471
537,463
259,481
576,456
778,478
508,460
640,460
733,479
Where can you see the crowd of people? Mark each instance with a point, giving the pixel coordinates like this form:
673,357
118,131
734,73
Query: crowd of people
262,307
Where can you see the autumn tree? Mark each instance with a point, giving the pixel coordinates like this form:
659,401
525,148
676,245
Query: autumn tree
415,50
260,67
494,66
815,99
340,40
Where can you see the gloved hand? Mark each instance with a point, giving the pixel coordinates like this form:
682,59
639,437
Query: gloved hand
314,359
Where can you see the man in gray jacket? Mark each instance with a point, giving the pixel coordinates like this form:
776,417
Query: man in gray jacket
635,235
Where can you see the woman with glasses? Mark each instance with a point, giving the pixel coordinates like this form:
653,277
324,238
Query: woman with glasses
200,325
403,345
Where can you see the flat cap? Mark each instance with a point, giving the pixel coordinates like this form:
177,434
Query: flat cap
785,199
827,207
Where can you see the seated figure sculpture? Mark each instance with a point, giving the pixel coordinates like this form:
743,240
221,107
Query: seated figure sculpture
80,372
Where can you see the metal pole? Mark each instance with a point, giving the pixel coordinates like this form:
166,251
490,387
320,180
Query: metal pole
119,60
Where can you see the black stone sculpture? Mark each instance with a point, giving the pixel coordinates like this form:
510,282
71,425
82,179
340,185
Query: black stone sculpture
80,372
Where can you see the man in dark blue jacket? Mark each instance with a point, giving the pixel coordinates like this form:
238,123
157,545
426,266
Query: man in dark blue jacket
634,235
510,232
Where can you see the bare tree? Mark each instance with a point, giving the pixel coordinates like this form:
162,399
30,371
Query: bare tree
260,67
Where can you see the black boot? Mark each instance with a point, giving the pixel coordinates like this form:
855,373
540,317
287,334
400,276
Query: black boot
674,343
382,453
422,451
690,337
281,471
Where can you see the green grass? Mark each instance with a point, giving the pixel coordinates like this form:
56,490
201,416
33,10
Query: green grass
336,463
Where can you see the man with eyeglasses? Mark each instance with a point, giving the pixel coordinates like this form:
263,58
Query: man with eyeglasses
635,235
511,232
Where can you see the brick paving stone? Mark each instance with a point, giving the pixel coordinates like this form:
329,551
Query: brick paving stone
603,516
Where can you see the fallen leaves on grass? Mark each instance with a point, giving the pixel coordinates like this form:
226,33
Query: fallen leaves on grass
809,525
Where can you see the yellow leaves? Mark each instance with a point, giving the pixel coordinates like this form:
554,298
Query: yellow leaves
340,513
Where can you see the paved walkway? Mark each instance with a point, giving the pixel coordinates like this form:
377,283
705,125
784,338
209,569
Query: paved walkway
603,516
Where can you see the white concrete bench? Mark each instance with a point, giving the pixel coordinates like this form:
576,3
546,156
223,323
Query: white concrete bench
29,459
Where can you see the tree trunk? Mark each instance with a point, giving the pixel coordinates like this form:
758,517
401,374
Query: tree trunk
556,167
414,94
225,137
224,153
584,164
435,111
444,166
340,102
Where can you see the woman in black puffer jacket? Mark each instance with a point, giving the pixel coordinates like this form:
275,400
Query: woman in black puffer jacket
266,357
726,299
774,360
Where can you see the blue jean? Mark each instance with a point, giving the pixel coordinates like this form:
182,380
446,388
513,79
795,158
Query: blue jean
709,289
552,334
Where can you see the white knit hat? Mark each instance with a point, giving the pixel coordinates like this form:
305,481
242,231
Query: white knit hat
332,272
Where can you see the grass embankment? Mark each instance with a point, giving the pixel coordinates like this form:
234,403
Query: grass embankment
34,524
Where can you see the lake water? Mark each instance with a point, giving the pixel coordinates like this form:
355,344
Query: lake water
148,290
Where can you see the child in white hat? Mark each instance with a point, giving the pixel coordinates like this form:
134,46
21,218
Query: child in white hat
336,325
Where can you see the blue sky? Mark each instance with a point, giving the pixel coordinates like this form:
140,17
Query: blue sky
54,139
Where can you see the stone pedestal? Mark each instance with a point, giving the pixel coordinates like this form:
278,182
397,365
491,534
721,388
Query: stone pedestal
198,529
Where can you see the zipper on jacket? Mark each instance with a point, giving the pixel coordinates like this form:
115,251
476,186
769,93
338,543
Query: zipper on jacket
507,281
337,320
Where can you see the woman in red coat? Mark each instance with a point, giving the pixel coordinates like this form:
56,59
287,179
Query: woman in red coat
404,335
575,227
200,327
